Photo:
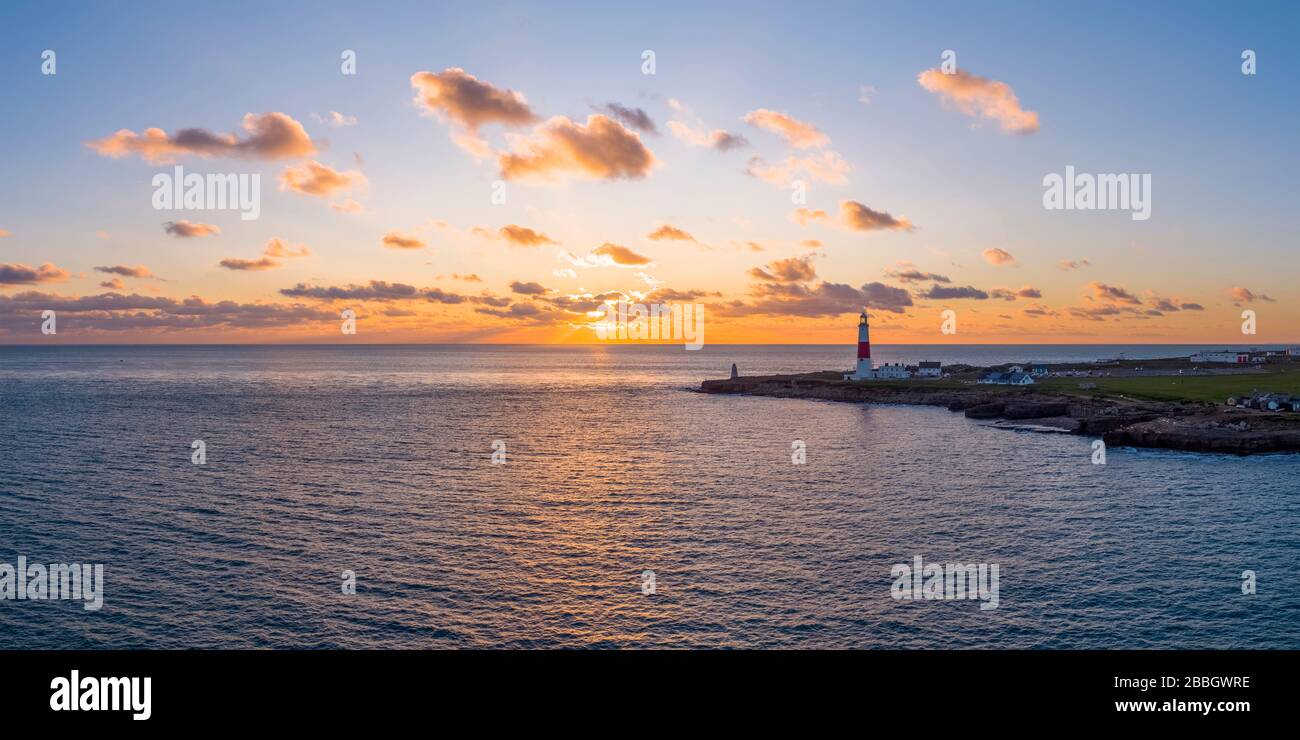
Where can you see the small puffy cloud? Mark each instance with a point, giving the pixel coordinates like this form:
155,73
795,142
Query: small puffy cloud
263,263
690,129
799,134
1246,295
802,216
909,274
348,205
185,230
1008,294
1191,307
335,119
973,95
620,255
954,292
114,284
601,149
1112,294
397,240
4,233
1070,265
792,270
465,99
19,274
864,94
277,247
861,218
826,166
811,243
314,178
137,271
528,288
668,232
524,236
997,256
630,117
267,136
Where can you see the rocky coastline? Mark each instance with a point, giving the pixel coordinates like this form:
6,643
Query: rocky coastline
1192,427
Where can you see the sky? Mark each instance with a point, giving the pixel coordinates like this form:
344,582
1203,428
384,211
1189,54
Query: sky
497,172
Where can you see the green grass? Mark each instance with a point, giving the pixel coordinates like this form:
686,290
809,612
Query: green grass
1206,388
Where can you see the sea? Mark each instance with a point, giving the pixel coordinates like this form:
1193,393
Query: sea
590,497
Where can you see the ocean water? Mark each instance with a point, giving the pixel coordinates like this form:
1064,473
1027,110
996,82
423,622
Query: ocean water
378,460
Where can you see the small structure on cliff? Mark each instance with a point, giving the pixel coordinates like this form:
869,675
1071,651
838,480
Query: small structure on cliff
734,374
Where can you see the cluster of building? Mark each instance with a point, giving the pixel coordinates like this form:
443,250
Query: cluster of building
1247,357
865,370
1266,402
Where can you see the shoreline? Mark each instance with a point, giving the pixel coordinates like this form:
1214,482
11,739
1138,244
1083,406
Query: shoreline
1118,421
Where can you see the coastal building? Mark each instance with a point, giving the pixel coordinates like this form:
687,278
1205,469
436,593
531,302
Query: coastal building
892,371
1037,369
864,370
1006,379
1224,356
929,370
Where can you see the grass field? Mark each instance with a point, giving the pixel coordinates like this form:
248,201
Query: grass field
1207,388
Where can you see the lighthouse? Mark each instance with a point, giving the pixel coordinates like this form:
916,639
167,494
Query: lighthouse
864,371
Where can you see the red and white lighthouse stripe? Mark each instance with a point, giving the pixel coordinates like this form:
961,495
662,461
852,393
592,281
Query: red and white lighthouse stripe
864,338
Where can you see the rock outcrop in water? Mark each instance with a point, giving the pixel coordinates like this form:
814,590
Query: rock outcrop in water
1119,422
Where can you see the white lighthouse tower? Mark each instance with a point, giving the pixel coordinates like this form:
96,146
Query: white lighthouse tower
864,370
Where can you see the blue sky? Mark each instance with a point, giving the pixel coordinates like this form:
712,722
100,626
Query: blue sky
1119,87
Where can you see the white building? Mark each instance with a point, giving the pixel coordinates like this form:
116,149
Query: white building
929,370
1227,355
892,371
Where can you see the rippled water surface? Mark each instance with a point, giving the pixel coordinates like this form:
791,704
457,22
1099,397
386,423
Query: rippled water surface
378,460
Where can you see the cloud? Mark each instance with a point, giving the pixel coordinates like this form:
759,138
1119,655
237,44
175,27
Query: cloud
861,218
997,256
4,233
397,240
792,270
826,166
802,216
864,94
820,300
468,101
375,290
810,243
1007,294
263,263
954,292
1246,295
1112,294
602,149
668,232
690,129
348,206
470,278
631,117
19,274
1068,265
335,119
268,136
973,95
138,271
524,236
909,274
314,178
528,288
799,134
117,312
185,230
114,284
277,247
620,255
